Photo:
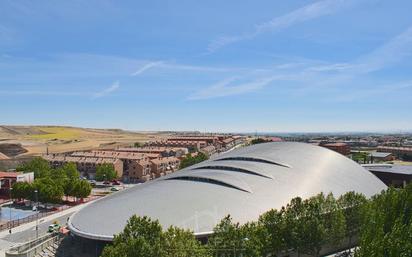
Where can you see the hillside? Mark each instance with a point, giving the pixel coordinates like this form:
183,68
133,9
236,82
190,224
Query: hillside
34,140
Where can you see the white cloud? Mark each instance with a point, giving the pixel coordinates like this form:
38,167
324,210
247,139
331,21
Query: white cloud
308,12
146,67
391,52
41,93
226,87
107,91
319,76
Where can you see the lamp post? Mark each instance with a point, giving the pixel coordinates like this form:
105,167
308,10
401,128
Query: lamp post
37,213
10,208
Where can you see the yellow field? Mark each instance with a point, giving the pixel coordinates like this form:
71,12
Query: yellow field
57,133
60,139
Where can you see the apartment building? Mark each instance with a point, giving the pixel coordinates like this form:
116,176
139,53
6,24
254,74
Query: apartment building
164,166
157,151
133,163
85,165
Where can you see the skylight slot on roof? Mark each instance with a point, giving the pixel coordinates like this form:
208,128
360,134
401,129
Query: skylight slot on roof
229,168
252,159
208,180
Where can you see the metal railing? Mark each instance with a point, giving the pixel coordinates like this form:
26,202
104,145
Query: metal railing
17,222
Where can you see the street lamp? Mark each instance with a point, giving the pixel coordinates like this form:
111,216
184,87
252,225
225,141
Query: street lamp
37,213
10,208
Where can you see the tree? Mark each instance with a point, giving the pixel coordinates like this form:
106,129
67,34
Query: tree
386,225
352,204
313,223
22,190
182,243
71,171
38,165
48,190
59,176
141,237
271,230
293,236
258,141
105,171
137,144
189,160
227,239
81,189
333,221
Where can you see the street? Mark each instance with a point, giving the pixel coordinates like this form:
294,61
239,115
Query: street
30,233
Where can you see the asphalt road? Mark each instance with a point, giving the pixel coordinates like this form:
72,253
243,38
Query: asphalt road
28,234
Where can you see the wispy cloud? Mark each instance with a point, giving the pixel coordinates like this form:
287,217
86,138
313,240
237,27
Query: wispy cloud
391,52
319,76
107,91
146,67
376,92
306,13
227,87
41,93
182,67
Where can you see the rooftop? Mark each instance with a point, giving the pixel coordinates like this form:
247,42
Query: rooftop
390,168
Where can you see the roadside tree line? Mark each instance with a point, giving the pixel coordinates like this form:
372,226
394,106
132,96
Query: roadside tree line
51,184
381,226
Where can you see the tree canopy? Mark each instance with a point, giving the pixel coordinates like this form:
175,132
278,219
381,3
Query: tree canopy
382,223
144,237
105,171
50,183
189,160
38,165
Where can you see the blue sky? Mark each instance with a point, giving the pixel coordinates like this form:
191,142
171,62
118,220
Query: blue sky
242,66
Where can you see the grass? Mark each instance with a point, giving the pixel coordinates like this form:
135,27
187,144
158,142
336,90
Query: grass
58,133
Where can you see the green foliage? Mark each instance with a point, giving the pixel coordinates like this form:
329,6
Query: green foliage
22,190
70,169
48,190
383,224
143,237
189,160
38,165
273,232
81,189
258,141
386,228
105,171
361,157
50,183
226,239
182,243
352,204
137,144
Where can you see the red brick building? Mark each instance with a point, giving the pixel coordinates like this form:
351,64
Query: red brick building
341,148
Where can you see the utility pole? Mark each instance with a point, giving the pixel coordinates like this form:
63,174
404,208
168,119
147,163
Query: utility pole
37,213
10,206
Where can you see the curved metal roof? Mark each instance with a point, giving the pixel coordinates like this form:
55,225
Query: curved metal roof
244,183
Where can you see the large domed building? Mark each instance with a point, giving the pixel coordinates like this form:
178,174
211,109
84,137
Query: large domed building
244,183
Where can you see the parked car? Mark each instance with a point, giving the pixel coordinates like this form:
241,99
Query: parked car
53,227
114,189
115,182
106,182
